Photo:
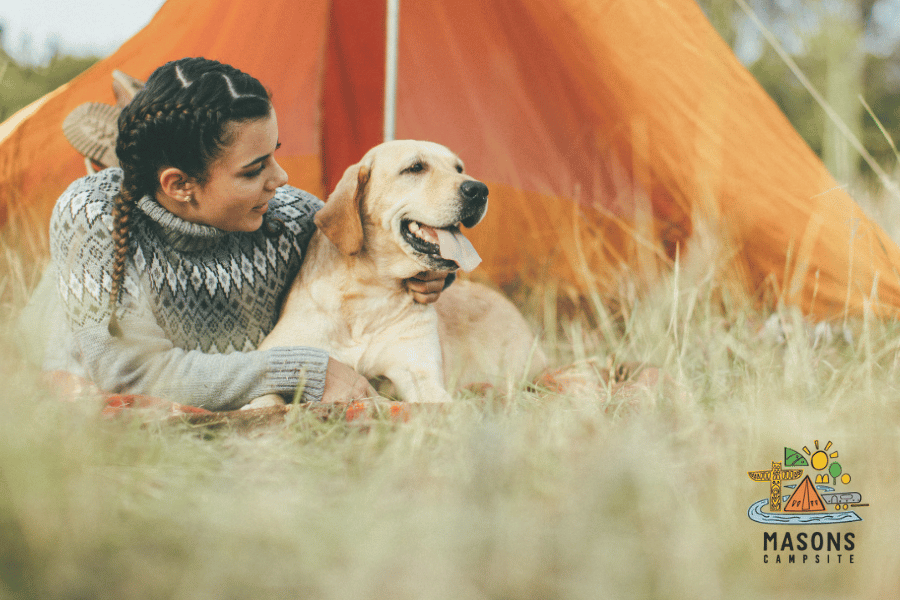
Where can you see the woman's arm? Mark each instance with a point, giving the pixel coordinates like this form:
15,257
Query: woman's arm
144,361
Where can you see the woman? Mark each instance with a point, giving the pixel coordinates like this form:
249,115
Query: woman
169,270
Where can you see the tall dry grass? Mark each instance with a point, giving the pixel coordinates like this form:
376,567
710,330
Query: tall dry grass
639,493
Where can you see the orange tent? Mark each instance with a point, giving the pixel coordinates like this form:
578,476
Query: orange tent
603,129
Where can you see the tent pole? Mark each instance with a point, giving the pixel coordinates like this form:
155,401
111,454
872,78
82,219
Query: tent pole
390,83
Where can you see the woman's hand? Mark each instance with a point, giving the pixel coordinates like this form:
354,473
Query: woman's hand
426,287
343,384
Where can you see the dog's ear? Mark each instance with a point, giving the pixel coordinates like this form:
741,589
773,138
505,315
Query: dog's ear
341,217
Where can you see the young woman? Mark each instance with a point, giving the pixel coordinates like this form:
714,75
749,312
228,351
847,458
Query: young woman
169,270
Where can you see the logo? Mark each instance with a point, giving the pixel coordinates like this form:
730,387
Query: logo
807,488
826,502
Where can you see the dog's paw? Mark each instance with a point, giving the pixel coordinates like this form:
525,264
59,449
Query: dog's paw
264,402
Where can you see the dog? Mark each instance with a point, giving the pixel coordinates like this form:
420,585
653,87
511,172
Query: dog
394,214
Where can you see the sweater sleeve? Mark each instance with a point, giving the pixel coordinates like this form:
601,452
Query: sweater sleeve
143,359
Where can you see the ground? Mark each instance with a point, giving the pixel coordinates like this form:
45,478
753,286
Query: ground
594,492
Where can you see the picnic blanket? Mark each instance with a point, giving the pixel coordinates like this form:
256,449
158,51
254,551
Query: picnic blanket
589,379
69,387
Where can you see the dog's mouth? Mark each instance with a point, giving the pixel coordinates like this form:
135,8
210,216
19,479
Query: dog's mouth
445,245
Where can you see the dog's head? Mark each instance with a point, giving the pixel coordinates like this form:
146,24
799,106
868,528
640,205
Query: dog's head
392,204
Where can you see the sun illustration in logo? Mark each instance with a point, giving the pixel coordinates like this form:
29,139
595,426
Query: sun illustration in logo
808,502
820,460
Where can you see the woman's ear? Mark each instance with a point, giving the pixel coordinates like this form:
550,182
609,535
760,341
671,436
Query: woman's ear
176,184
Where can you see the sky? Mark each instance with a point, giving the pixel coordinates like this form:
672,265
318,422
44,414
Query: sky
80,27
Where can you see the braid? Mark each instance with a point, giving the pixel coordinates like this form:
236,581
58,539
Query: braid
122,206
179,119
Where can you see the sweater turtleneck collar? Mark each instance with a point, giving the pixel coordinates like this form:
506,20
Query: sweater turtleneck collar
180,234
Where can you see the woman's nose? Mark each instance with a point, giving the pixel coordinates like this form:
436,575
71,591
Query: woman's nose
279,176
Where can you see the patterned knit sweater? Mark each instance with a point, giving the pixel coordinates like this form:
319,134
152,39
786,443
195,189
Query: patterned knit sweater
195,304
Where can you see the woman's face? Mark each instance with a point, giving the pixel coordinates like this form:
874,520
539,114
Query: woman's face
242,180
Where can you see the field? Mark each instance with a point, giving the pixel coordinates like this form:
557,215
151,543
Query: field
634,491
599,492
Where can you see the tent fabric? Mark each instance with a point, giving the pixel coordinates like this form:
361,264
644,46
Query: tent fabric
604,130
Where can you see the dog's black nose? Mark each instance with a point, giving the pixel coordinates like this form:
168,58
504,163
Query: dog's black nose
474,191
475,198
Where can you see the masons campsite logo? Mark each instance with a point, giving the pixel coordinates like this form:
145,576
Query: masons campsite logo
828,501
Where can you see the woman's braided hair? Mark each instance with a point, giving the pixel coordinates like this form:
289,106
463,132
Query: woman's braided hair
179,119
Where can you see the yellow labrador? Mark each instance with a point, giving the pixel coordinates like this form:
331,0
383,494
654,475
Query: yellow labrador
396,213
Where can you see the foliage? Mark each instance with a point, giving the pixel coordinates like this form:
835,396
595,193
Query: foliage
21,84
834,46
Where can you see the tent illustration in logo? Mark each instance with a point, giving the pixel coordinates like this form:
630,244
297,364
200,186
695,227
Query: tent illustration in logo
805,498
809,503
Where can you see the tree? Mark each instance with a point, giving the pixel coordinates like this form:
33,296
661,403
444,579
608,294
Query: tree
832,44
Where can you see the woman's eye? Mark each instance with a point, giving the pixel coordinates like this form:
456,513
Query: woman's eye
256,173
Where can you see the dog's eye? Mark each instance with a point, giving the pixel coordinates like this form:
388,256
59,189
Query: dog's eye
416,167
459,168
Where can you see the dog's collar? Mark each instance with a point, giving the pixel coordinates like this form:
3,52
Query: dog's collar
178,233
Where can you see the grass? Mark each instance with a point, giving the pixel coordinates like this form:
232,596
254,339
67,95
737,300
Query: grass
594,493
641,493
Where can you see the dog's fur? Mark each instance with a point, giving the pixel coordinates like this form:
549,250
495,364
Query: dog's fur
349,297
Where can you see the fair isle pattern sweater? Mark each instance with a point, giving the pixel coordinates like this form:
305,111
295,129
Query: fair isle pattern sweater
195,303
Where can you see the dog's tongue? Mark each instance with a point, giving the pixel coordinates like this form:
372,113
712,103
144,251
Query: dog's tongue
456,247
